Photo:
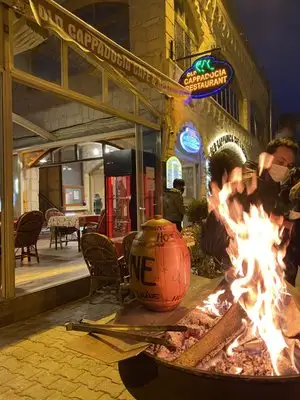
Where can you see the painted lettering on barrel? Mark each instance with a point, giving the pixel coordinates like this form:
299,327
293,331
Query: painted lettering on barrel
139,266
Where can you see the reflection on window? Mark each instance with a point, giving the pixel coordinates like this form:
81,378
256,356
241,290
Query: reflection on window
72,182
228,100
110,149
73,196
90,150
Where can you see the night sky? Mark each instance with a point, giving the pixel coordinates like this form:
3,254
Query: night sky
272,28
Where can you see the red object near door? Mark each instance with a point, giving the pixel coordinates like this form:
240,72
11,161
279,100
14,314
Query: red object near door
118,198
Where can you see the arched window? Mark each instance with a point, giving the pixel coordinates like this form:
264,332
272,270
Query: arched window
185,36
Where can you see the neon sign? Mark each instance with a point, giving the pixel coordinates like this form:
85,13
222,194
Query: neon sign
228,139
190,140
206,77
174,171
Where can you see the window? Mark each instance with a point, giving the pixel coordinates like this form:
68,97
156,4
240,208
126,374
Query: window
72,184
228,99
185,38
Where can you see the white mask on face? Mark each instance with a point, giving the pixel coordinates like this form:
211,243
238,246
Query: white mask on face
278,173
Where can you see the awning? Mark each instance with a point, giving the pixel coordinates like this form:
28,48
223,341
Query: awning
50,15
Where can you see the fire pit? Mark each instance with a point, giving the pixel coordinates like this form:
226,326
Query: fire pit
243,341
239,372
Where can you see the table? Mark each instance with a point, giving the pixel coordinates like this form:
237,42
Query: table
70,221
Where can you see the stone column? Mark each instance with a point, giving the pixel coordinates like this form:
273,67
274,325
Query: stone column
245,114
31,189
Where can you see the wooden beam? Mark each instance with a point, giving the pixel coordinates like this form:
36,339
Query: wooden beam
30,126
40,84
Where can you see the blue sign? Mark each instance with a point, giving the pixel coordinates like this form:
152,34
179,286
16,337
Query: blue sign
190,140
206,77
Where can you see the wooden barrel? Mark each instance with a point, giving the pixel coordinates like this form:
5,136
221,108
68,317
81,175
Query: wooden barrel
160,265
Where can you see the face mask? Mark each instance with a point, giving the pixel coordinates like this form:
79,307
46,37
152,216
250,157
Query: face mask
278,173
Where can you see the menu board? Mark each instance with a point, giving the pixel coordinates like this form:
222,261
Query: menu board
174,171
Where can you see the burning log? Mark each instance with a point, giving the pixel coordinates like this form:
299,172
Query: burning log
223,333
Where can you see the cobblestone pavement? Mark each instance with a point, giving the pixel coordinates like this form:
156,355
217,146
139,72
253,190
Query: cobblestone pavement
36,364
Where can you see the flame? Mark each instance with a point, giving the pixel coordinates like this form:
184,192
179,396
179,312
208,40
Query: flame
212,304
258,283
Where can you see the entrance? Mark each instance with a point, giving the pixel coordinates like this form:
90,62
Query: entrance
57,95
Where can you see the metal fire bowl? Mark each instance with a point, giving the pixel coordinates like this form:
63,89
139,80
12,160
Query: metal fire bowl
149,378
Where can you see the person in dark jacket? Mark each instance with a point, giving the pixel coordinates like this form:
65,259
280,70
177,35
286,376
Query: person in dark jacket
97,204
174,209
215,240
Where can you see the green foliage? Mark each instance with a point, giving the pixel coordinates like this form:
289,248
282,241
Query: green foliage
197,211
202,264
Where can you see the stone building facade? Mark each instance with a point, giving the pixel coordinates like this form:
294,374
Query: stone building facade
162,33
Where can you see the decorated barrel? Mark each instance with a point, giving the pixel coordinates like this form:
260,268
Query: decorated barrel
160,265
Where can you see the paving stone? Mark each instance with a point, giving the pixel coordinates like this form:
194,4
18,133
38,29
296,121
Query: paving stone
112,373
91,381
29,371
125,396
64,386
35,359
69,372
6,376
39,366
18,352
38,392
12,364
19,384
84,393
50,365
111,388
45,378
11,395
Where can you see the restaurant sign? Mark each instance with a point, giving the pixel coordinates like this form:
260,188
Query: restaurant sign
51,15
206,77
224,140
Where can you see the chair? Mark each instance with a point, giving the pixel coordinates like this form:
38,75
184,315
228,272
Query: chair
28,229
98,227
60,231
127,244
125,273
101,259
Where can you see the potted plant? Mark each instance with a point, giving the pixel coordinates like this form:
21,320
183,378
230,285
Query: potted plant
202,264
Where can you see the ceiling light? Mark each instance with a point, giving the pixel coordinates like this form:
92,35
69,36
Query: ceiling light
96,151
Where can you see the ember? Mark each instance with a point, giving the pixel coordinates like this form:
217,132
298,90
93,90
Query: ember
247,336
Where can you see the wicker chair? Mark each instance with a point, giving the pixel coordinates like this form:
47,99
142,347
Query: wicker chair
125,292
28,229
62,232
97,227
127,244
102,261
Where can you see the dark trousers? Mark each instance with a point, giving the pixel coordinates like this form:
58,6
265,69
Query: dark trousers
178,225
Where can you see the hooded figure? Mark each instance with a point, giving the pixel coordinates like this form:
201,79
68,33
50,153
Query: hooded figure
174,209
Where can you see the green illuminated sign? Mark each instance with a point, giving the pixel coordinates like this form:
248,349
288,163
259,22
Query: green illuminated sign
206,77
204,65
